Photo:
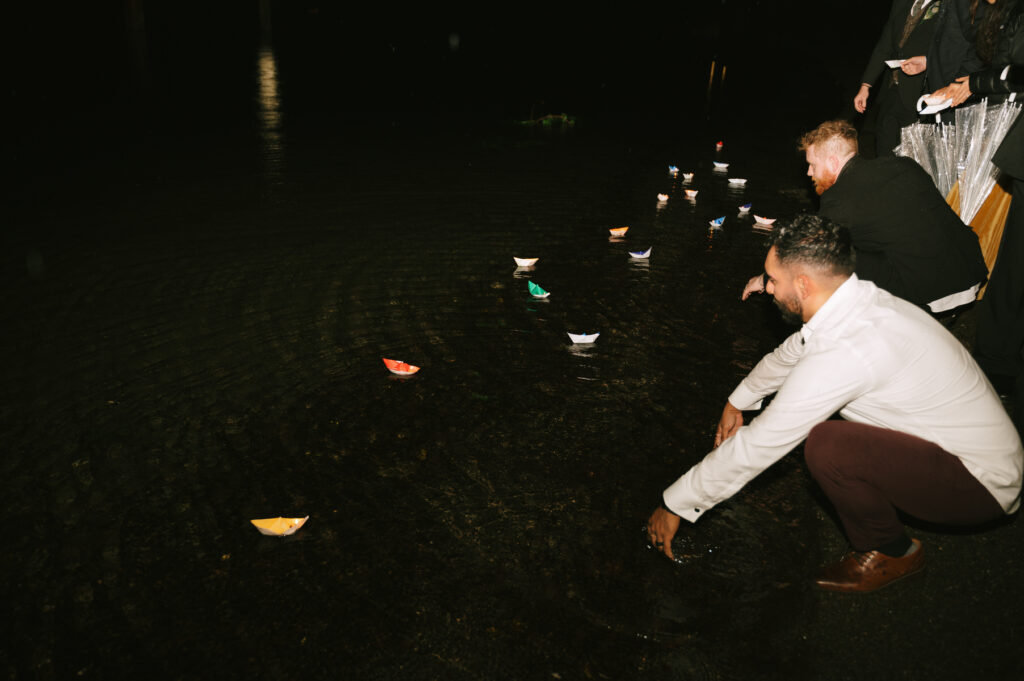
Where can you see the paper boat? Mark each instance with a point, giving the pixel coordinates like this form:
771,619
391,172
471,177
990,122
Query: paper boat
279,527
745,208
691,193
894,63
537,291
719,165
662,198
738,180
934,104
717,222
763,221
618,231
641,254
525,262
687,176
673,170
718,145
399,367
583,337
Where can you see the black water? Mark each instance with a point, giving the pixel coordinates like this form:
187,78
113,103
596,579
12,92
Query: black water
196,308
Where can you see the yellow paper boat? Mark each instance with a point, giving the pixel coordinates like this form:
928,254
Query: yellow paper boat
691,193
662,197
279,527
618,231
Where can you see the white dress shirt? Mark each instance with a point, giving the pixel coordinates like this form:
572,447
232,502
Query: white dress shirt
875,359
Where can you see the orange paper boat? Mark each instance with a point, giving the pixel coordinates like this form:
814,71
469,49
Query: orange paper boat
279,527
618,231
397,366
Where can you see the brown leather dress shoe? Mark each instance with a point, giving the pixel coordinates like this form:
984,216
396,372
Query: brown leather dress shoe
869,570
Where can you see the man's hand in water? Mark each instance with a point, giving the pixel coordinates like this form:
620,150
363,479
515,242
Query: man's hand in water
755,285
661,527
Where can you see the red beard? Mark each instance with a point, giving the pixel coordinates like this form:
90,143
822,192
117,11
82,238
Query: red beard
821,184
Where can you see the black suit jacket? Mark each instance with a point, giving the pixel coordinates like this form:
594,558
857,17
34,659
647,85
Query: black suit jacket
950,55
908,240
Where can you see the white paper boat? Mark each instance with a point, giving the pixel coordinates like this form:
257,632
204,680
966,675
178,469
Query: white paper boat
641,254
673,170
687,176
691,193
583,337
738,180
763,221
719,165
717,222
894,63
279,527
525,262
662,198
745,208
934,104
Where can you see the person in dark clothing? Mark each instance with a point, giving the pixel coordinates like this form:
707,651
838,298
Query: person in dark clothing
908,241
933,40
999,342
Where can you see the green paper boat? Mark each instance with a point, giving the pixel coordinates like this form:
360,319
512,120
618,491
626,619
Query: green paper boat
537,291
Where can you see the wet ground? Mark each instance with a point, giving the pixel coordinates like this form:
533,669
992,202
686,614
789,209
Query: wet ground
194,325
190,347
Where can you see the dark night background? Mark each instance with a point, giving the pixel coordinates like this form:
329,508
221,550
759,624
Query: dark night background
216,226
105,72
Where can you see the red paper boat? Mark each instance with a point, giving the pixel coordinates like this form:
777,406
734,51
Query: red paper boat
399,367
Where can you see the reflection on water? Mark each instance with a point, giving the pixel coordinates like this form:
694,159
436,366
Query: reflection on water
270,116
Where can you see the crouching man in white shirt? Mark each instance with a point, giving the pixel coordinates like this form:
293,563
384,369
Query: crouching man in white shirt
923,432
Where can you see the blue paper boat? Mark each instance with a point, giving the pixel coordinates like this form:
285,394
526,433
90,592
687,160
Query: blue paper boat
641,254
673,169
745,208
717,222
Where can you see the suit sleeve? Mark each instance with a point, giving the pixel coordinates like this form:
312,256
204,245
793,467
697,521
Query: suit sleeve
883,48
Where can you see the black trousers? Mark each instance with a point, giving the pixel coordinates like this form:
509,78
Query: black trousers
999,338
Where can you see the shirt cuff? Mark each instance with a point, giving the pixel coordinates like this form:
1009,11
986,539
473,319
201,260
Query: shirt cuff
678,488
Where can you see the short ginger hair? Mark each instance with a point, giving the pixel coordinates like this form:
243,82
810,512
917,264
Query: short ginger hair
838,138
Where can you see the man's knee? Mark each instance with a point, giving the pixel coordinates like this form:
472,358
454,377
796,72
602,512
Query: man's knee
824,445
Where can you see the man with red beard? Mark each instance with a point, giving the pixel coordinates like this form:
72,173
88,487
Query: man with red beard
907,239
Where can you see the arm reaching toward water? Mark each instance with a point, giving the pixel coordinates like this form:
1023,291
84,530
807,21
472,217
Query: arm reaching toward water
755,285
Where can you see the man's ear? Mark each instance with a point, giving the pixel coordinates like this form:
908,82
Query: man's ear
833,163
804,286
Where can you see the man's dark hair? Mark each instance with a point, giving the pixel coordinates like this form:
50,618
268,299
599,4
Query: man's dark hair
816,241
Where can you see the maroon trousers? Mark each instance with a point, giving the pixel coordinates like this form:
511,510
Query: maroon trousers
869,472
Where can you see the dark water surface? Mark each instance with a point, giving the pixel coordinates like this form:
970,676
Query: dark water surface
198,343
194,327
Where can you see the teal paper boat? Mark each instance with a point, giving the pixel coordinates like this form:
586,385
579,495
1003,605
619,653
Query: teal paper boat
537,291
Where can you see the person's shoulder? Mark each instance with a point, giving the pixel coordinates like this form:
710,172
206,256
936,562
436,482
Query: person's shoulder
897,166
